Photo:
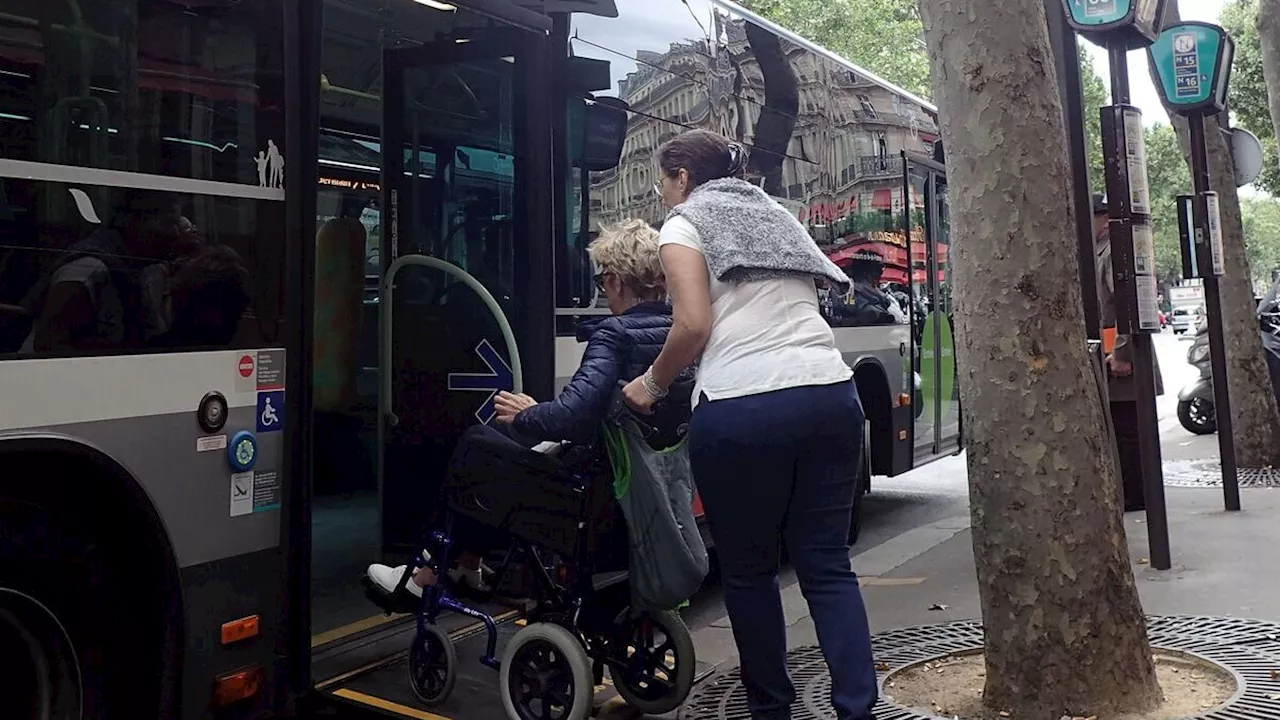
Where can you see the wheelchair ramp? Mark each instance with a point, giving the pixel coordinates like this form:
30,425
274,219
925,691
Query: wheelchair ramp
384,690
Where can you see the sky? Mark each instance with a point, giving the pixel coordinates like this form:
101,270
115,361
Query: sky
1143,92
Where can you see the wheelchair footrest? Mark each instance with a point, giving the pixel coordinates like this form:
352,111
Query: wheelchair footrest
399,602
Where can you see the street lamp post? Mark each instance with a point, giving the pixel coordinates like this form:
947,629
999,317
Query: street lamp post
1119,26
1193,63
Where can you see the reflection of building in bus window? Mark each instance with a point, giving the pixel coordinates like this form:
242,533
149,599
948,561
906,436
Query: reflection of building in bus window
108,290
210,293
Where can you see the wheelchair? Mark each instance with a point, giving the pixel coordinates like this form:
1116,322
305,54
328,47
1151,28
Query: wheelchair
555,504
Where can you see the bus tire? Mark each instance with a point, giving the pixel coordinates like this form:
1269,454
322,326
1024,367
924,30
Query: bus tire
54,621
861,486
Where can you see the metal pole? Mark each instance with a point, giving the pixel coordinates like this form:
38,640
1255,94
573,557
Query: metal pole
1213,306
1143,351
1062,40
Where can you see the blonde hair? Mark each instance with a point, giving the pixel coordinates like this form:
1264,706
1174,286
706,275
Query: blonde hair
630,250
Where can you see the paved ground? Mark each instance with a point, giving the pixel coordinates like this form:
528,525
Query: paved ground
915,551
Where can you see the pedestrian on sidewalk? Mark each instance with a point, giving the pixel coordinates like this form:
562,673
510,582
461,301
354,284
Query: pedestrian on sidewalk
777,423
1120,385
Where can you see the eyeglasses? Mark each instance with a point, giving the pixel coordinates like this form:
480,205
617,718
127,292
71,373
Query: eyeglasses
657,189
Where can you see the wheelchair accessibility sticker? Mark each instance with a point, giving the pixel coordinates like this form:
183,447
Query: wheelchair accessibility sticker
270,411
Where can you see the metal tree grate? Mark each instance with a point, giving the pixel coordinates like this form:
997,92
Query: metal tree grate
1249,649
1208,474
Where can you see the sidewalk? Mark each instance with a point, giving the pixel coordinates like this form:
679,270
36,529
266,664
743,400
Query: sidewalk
1223,564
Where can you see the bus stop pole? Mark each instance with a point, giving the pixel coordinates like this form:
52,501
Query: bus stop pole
1065,47
1066,54
1122,248
1213,308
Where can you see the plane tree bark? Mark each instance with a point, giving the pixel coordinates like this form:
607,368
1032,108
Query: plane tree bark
1065,632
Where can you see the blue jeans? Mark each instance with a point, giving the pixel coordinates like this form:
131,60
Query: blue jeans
783,466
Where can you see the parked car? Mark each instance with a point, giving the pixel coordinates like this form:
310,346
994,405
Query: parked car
1185,319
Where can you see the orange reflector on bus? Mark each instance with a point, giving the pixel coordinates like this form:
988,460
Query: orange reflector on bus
904,400
237,686
237,630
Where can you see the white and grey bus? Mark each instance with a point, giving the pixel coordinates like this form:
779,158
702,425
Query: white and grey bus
229,382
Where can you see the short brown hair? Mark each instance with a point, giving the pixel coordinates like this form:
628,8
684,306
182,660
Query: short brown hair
705,155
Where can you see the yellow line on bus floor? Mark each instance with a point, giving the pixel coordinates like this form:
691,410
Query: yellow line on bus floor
458,635
368,623
387,705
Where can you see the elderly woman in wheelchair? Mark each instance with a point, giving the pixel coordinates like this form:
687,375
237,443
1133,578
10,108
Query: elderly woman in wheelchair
552,508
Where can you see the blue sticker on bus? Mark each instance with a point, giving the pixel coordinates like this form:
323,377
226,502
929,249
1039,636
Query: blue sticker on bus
242,453
270,411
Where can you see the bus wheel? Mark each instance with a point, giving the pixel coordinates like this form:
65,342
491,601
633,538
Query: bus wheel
42,675
55,620
860,490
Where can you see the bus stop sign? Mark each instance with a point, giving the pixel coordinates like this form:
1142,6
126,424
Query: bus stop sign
1193,62
1133,23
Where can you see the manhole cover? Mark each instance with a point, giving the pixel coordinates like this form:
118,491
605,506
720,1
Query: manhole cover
1250,649
1208,474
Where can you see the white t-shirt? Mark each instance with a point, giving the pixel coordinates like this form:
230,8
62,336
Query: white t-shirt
766,335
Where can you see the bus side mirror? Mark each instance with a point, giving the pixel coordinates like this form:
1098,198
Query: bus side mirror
601,134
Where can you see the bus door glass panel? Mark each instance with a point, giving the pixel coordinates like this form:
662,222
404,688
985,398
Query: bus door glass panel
940,413
948,391
922,299
451,108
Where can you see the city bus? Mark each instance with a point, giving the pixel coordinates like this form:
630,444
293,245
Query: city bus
229,382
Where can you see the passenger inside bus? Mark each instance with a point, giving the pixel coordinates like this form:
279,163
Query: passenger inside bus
619,348
108,291
866,303
208,296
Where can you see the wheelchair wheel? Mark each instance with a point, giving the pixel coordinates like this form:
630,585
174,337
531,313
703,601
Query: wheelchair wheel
546,674
658,672
433,666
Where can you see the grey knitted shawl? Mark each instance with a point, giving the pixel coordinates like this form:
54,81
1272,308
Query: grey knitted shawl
747,235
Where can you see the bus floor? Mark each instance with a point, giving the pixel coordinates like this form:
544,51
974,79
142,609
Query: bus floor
384,690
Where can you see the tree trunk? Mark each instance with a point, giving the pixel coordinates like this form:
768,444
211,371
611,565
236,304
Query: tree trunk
1065,633
1253,409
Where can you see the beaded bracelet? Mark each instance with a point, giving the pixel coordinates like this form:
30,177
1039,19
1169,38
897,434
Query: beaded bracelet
651,386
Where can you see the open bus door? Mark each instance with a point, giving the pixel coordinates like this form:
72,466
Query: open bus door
467,306
927,214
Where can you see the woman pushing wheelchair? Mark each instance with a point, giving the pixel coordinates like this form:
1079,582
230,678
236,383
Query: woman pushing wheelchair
619,348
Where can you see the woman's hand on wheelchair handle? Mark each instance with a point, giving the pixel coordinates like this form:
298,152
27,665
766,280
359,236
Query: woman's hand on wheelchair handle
637,397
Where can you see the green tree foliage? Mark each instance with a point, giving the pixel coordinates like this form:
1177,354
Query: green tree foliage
1248,92
1095,96
883,36
1262,236
1168,177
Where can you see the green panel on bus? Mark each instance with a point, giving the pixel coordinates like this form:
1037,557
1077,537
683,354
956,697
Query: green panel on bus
937,363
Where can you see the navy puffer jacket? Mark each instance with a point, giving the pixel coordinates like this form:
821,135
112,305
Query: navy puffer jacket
619,349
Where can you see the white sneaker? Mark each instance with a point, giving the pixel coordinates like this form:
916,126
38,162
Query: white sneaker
390,578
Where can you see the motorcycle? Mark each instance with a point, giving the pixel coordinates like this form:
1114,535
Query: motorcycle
1195,401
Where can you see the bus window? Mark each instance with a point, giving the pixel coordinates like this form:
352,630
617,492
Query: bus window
135,137
175,89
948,387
